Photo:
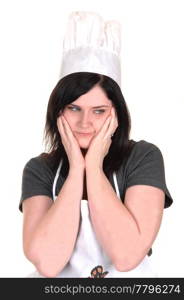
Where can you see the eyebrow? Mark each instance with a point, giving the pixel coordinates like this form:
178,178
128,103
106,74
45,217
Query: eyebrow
93,106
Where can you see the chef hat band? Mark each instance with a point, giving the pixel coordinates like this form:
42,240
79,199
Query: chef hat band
91,45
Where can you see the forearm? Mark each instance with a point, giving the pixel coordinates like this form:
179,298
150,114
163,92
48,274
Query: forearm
114,225
55,237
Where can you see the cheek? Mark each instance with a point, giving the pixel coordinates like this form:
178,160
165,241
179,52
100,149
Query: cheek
67,114
99,123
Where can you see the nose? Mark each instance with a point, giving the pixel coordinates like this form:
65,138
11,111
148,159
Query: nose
85,120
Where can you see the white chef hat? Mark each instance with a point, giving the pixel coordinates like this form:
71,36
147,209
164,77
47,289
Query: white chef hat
91,45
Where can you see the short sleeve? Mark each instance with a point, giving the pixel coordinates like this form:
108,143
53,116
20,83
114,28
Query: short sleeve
147,168
36,180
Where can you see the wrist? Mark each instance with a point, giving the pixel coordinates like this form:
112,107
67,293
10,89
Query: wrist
76,171
90,166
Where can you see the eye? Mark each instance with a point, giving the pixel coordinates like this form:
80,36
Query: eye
99,111
72,107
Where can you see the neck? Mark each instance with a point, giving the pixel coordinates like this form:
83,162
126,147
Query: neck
84,151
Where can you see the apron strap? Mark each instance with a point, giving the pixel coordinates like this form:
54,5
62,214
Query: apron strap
116,184
55,180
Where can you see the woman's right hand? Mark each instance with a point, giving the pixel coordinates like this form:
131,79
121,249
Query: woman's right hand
75,157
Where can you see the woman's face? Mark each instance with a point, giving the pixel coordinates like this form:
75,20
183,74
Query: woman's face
87,114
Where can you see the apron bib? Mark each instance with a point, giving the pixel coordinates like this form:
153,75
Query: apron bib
88,258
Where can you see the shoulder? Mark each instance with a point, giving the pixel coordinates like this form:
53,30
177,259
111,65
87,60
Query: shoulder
145,158
40,160
35,162
145,166
39,165
143,149
37,178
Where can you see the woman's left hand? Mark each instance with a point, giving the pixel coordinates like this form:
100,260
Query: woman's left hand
100,144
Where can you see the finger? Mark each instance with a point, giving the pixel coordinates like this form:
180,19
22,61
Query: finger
110,129
114,115
61,127
67,127
61,130
105,126
113,111
112,125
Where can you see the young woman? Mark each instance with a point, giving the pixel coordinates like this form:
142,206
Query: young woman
93,203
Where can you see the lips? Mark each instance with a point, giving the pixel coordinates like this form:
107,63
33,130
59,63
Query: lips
84,133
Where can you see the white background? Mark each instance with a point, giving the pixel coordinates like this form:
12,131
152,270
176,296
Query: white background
152,84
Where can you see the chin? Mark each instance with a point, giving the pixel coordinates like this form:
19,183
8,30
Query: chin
82,146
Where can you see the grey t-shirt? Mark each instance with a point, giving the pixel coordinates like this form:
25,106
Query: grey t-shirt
145,165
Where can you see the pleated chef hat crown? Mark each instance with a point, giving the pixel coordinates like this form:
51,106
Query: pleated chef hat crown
91,45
